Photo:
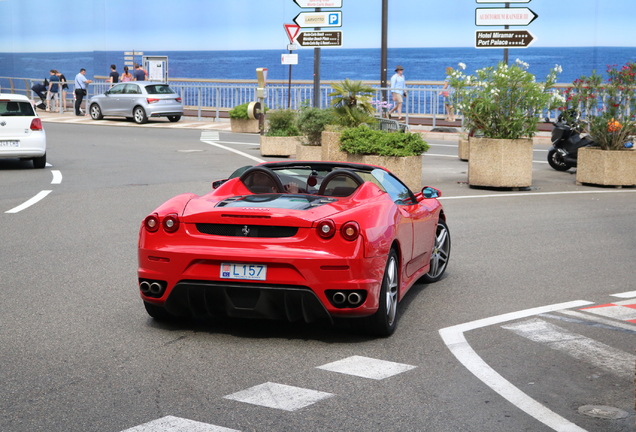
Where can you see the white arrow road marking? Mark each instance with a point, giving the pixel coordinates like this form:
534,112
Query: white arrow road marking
456,342
40,196
176,424
629,294
580,347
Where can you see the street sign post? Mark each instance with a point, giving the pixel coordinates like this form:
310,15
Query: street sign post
289,59
292,31
319,3
319,19
503,39
504,16
502,1
319,38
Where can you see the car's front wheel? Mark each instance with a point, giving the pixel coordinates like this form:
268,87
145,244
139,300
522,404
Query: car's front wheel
384,321
139,114
96,112
174,118
440,253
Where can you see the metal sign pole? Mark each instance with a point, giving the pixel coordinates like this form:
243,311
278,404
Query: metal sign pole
505,59
317,72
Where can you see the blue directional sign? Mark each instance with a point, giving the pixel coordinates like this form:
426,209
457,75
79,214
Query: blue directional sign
319,19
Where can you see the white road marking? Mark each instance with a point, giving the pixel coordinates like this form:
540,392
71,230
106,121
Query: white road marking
617,312
176,424
580,347
41,195
367,367
57,177
254,158
279,396
628,294
456,342
599,320
529,194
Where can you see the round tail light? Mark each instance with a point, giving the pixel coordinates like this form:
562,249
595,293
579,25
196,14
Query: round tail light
326,229
350,230
151,223
171,223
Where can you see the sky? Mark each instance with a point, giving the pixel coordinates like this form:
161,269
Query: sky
192,25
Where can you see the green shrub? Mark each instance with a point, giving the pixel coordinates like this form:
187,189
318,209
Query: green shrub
312,121
363,140
282,123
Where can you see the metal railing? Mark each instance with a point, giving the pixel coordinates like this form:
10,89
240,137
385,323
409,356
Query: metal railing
212,97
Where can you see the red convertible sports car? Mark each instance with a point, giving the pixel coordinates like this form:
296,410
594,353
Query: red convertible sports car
294,240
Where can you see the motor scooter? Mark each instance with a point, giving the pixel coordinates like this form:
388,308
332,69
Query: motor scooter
566,141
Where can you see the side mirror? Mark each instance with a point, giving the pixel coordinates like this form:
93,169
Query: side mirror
216,184
431,192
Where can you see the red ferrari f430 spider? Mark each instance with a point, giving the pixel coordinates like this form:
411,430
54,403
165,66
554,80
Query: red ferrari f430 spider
294,240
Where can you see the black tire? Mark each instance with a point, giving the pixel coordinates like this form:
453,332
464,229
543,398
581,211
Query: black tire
384,321
96,112
555,159
157,312
39,162
174,119
139,115
440,253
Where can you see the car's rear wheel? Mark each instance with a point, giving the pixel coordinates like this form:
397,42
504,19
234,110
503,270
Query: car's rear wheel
39,162
96,112
440,253
139,114
384,321
157,312
174,118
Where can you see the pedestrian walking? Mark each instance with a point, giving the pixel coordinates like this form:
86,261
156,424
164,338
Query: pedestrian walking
81,86
64,89
398,91
126,76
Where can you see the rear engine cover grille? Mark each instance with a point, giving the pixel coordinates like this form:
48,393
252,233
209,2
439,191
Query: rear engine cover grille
229,230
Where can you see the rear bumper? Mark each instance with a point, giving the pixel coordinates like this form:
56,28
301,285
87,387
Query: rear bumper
33,145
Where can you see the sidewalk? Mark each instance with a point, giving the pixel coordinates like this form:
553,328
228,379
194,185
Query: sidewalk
450,132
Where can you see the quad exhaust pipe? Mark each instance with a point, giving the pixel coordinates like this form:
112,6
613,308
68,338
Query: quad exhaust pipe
144,287
339,298
354,298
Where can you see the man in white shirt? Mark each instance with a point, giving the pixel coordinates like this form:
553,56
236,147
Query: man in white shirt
398,91
81,84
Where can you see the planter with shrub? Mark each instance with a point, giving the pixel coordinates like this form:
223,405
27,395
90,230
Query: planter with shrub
282,134
240,122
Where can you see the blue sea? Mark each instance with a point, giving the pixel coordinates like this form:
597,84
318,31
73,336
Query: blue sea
420,64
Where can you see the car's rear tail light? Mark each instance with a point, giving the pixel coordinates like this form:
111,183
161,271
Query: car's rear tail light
326,228
151,223
171,223
178,99
350,230
152,100
36,124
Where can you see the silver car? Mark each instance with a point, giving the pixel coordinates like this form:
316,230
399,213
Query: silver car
137,100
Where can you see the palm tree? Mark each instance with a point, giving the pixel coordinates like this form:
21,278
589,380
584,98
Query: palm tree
352,102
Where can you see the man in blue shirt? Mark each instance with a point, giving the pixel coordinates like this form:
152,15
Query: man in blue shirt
81,84
139,74
52,90
398,91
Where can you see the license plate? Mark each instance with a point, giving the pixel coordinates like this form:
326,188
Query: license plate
9,143
243,271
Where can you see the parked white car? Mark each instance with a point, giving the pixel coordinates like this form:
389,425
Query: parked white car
21,132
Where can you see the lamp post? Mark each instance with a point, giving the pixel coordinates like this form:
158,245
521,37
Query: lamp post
383,49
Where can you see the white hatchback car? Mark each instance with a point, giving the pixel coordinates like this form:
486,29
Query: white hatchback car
21,132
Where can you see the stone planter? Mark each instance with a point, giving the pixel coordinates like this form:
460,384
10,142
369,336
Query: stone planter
279,146
606,167
408,168
500,163
331,147
463,150
308,153
244,126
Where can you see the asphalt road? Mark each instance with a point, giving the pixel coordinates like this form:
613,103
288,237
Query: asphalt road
503,343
